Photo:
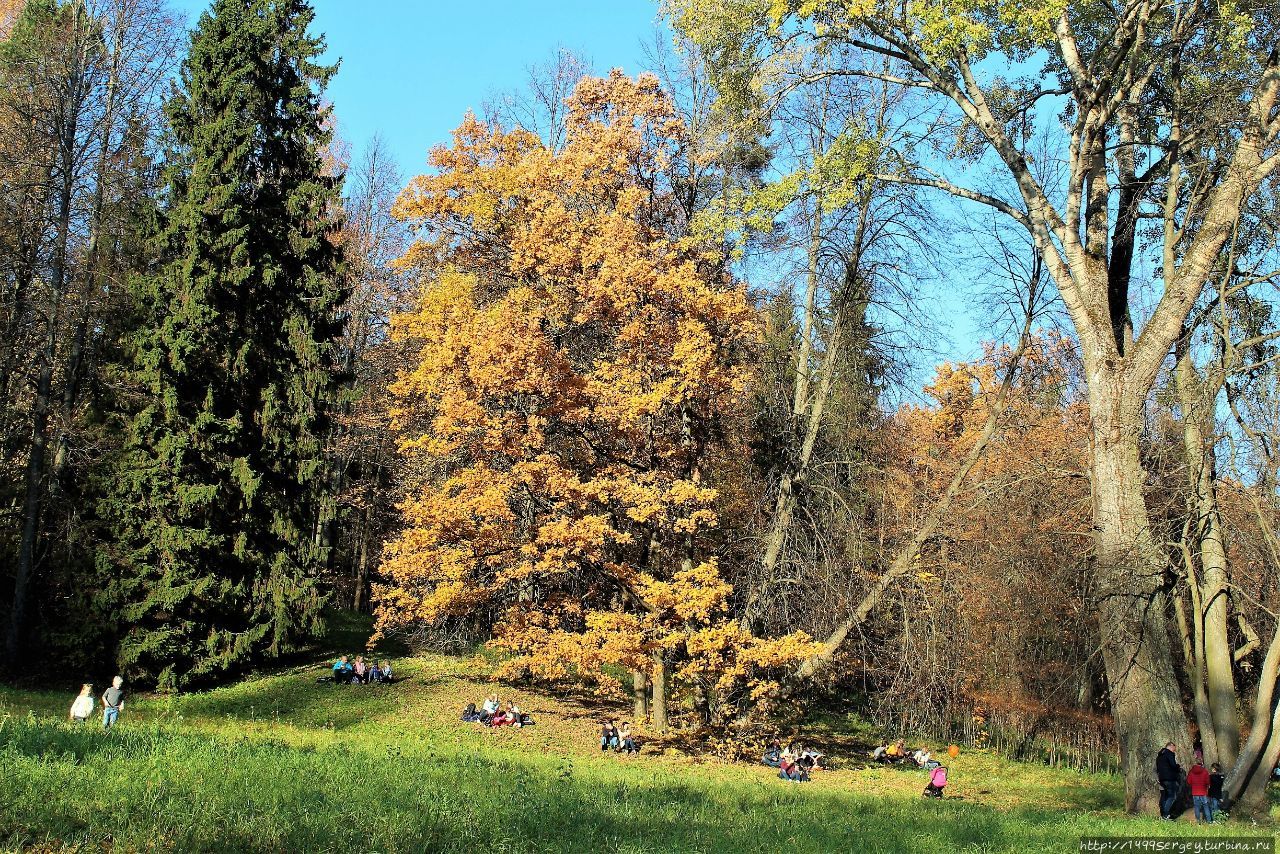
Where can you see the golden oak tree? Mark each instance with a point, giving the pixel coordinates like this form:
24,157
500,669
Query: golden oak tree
578,354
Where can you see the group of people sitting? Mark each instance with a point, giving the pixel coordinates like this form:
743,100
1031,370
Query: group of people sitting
360,672
897,753
613,737
494,713
793,763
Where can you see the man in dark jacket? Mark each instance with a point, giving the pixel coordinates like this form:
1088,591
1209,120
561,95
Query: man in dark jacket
1169,773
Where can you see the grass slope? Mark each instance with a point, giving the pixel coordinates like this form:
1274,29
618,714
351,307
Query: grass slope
281,763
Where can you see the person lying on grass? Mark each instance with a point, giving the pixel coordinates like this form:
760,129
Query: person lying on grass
892,753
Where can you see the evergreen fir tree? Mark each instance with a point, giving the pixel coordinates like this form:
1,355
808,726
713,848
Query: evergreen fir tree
216,560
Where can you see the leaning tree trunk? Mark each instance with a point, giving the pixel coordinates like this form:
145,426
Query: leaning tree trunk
1129,585
1213,602
1214,665
1248,778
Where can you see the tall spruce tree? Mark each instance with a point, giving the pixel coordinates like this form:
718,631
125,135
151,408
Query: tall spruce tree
216,561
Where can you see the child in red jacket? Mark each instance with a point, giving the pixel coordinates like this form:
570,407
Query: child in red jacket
1198,782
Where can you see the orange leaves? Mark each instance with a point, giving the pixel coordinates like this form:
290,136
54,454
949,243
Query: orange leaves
575,350
696,594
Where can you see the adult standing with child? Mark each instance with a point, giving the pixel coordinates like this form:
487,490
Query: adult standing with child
1169,774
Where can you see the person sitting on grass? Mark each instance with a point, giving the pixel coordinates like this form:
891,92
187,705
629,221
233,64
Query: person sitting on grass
490,705
387,676
937,782
627,740
342,671
375,673
897,751
790,769
922,757
470,715
772,755
361,671
609,736
82,706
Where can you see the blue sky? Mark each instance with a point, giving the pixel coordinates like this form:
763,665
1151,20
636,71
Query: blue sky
411,68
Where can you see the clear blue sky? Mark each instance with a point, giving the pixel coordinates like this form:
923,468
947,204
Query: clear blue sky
412,68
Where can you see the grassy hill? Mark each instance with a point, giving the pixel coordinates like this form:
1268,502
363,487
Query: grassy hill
282,763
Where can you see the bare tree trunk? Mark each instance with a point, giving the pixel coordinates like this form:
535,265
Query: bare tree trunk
639,696
360,597
32,505
1248,779
661,670
1146,701
1214,667
1200,697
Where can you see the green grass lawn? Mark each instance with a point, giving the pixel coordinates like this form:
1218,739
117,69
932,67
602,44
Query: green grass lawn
281,763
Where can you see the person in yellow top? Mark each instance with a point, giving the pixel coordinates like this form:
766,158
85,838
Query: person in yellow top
897,751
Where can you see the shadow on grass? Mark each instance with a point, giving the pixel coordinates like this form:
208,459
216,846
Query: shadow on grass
171,790
304,702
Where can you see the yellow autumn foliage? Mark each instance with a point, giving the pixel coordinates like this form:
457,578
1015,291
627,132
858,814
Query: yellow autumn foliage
576,352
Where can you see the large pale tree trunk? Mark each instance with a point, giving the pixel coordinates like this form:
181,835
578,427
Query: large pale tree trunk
1129,590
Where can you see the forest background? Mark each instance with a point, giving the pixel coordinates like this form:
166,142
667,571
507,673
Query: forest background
769,378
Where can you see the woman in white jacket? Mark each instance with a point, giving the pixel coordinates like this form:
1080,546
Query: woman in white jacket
82,708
